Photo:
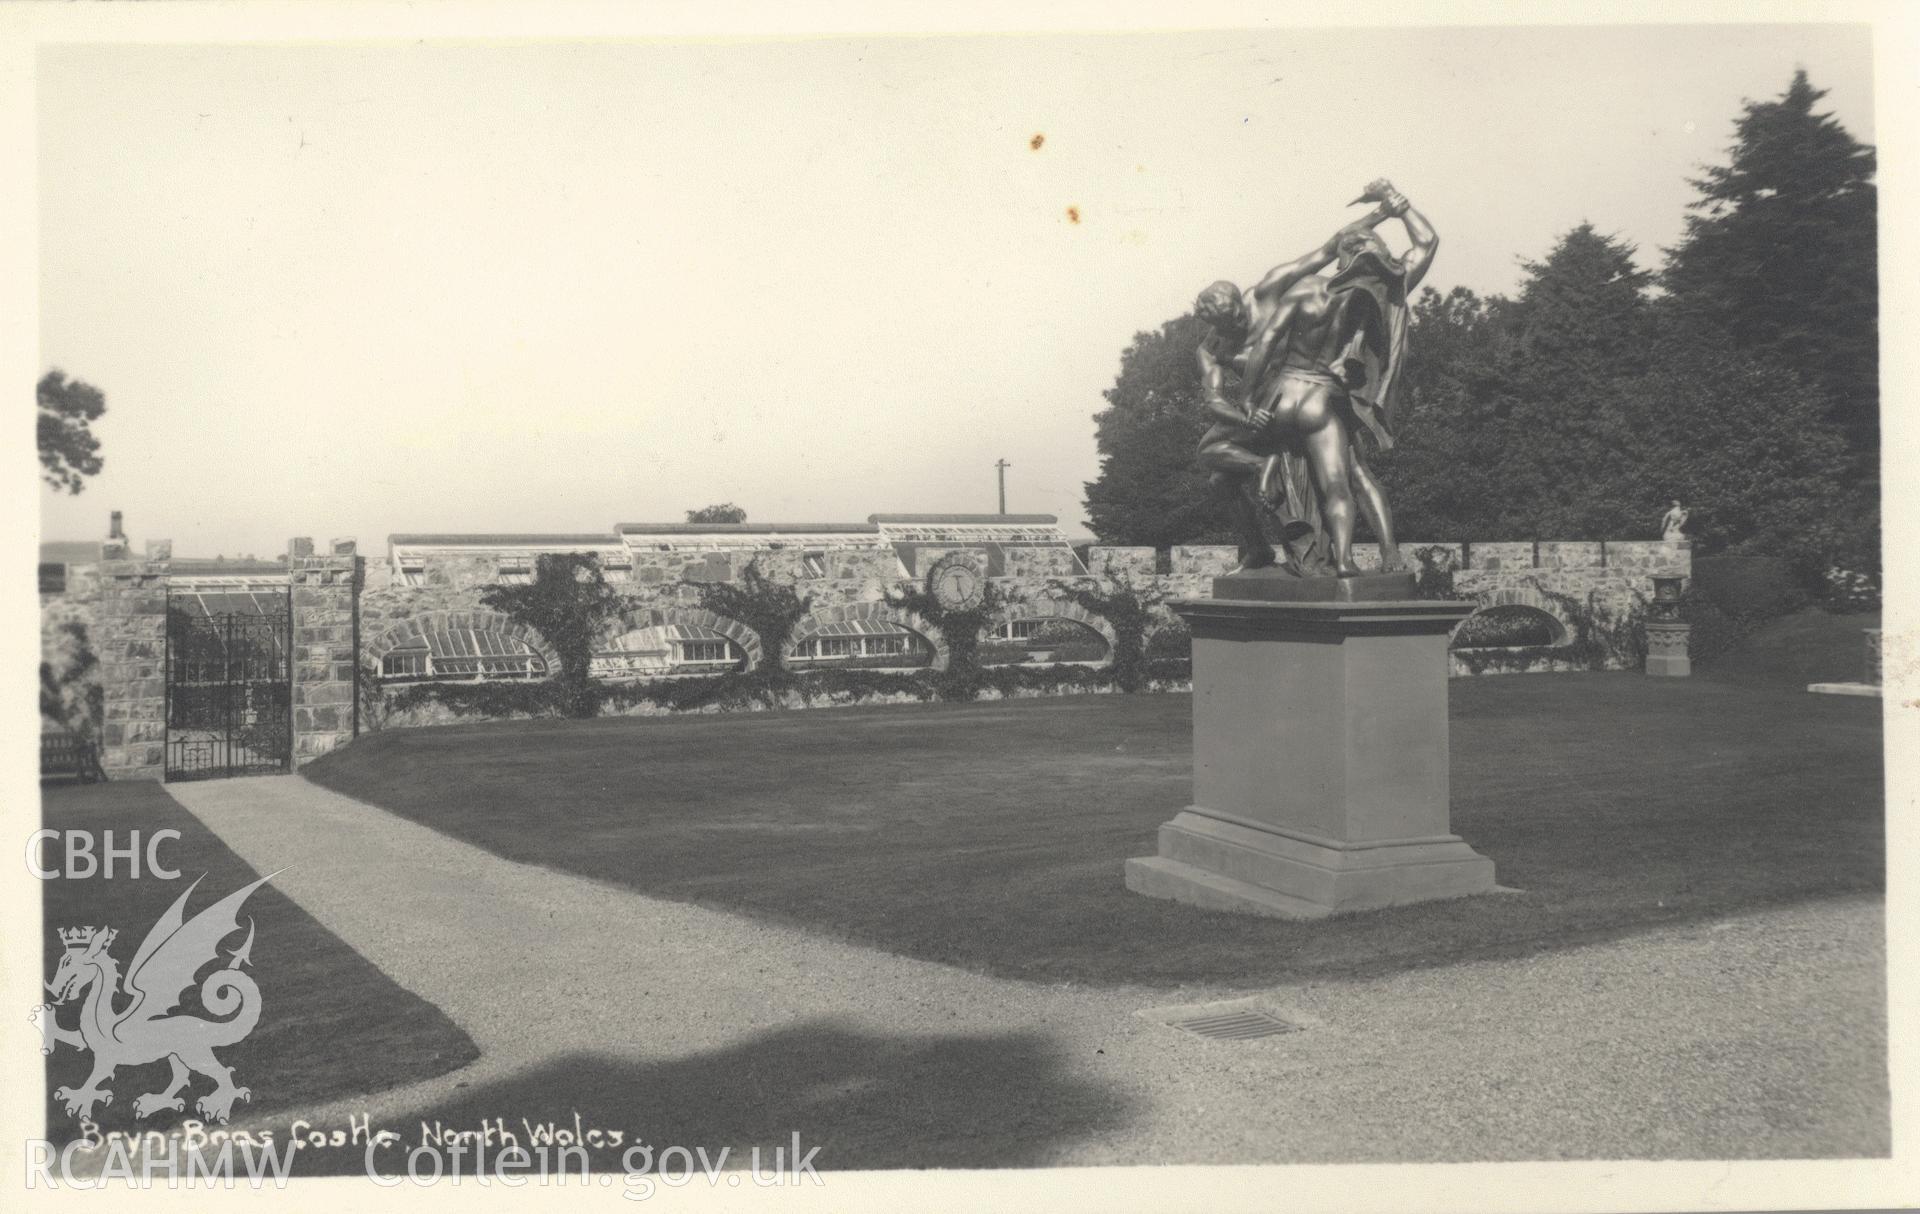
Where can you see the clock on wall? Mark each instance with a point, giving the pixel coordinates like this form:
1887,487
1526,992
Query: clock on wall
955,582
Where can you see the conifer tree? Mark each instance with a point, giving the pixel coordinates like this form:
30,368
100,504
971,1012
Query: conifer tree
1780,255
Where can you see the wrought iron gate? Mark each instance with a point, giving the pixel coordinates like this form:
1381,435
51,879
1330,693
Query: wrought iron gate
229,693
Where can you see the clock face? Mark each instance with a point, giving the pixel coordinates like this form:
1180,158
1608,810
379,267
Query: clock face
956,584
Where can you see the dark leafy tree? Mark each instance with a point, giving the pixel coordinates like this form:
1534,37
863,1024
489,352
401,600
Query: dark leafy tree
1745,442
1515,431
1578,409
69,452
1781,253
1580,324
1443,474
1150,490
725,512
1509,401
1582,312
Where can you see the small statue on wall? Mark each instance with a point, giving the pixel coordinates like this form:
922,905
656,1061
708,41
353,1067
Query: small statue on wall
1674,521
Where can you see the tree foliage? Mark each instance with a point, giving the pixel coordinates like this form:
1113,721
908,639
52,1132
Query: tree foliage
70,689
725,512
1445,469
69,452
1745,386
1579,408
1517,429
1150,491
1781,252
1747,444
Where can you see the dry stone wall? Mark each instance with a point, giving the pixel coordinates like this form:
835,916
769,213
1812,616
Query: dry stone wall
1133,564
1591,588
348,612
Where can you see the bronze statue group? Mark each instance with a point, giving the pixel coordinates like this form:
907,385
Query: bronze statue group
1298,374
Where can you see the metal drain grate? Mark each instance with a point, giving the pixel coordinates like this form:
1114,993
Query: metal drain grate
1236,1026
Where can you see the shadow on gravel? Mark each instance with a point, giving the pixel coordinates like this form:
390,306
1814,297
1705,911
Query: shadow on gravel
866,1101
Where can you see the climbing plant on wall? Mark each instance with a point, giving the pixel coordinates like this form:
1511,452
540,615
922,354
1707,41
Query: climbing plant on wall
569,603
1434,580
1597,636
70,688
964,676
768,607
1128,611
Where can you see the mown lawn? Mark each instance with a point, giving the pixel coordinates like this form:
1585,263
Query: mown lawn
331,1023
992,836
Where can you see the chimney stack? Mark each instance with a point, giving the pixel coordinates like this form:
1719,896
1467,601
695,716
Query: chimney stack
114,531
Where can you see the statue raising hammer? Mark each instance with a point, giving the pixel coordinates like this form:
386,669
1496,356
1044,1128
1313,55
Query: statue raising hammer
1318,360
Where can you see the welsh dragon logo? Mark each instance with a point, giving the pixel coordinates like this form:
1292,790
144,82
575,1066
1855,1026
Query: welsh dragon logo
143,1031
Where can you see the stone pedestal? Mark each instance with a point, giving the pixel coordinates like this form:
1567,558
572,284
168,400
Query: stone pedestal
1275,585
1667,649
1319,761
1668,633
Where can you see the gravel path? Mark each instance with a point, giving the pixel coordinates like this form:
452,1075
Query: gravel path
1762,1036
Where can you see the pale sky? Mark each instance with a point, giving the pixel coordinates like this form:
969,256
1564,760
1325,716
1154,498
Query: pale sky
355,290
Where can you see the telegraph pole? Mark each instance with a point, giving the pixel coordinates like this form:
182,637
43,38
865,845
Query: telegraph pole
1001,466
